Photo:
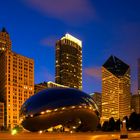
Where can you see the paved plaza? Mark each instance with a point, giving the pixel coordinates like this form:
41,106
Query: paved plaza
68,136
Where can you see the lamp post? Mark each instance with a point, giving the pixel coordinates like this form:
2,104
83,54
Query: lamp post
123,133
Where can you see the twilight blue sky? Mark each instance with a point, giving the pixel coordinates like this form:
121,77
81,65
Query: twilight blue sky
105,27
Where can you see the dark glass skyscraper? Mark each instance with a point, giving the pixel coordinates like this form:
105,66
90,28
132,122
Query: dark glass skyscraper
69,62
115,89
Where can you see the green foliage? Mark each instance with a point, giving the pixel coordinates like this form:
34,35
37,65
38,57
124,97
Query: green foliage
111,124
132,122
105,126
117,125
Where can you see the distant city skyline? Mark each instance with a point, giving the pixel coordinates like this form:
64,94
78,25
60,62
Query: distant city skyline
112,27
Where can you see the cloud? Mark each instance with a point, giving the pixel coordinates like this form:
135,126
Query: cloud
49,41
93,72
92,76
72,11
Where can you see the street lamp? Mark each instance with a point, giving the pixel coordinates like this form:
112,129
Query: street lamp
123,134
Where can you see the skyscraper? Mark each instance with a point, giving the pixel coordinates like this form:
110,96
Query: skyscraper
69,62
1,115
139,76
135,103
5,42
16,80
115,89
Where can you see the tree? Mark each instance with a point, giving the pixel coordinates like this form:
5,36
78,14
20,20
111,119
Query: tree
105,126
117,125
111,124
127,122
138,115
133,121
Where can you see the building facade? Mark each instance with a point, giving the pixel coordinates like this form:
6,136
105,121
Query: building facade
53,84
115,89
1,115
40,86
135,103
69,62
16,84
97,97
45,85
5,42
139,76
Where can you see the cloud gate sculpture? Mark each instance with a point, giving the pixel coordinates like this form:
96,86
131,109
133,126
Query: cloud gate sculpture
70,108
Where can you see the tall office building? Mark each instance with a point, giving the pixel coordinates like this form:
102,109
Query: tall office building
135,103
1,115
16,80
5,42
115,89
69,62
139,76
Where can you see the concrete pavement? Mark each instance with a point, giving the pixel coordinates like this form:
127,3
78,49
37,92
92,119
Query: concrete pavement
67,136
